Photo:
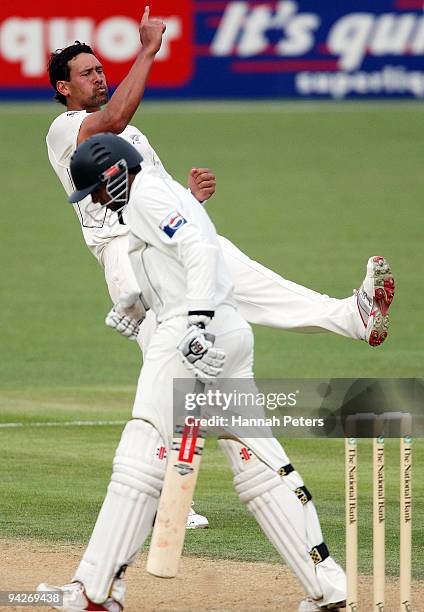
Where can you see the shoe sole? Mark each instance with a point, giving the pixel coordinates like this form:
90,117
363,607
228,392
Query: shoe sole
384,290
89,605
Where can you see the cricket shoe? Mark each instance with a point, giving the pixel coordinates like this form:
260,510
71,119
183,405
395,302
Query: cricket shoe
374,298
196,521
74,598
310,605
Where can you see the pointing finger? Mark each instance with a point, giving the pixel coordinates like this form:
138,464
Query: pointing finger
146,14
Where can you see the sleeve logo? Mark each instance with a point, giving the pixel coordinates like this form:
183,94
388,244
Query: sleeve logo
172,223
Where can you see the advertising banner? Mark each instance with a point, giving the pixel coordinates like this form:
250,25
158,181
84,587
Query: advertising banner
242,48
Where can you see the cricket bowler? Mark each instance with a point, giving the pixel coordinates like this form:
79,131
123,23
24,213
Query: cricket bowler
181,271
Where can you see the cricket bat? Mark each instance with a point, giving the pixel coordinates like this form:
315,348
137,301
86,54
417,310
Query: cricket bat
175,501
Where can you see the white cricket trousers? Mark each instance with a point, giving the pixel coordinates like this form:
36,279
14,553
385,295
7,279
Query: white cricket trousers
162,367
262,296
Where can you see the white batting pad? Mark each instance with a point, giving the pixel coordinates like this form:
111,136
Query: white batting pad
283,508
128,510
332,580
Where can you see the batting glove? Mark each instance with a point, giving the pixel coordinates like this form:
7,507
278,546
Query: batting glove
199,355
127,315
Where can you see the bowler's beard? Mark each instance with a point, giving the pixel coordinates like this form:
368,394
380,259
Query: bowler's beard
98,99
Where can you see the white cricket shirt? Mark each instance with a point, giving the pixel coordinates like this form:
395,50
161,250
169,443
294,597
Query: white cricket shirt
98,224
174,248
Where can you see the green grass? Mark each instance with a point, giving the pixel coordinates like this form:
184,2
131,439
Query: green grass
56,478
309,190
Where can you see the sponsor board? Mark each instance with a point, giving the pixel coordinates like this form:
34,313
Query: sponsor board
240,48
28,36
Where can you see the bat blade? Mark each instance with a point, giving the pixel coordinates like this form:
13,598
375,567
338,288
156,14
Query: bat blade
177,494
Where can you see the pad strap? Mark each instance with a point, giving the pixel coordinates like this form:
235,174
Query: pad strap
319,553
303,494
285,470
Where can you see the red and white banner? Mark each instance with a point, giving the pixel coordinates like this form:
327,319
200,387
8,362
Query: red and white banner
30,31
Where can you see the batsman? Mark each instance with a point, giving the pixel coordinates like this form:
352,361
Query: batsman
181,271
